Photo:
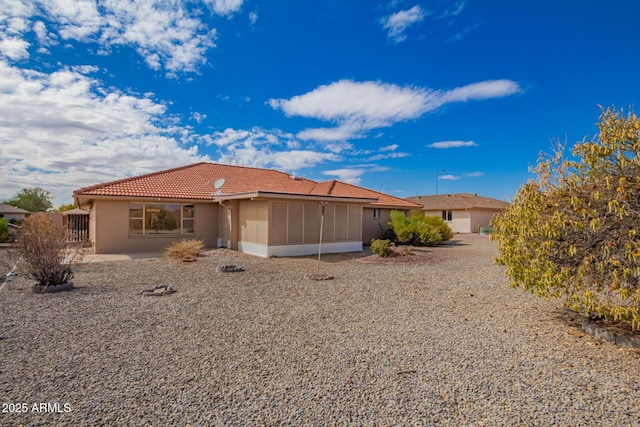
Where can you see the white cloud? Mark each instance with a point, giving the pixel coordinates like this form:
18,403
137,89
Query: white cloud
369,104
391,147
448,177
44,37
167,34
224,7
455,11
482,90
397,23
14,48
388,156
357,107
253,18
68,129
198,117
350,175
457,177
266,148
341,133
452,144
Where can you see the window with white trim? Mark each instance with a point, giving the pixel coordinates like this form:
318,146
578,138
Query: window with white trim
376,213
447,215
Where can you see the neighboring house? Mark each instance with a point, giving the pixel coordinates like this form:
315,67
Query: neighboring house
11,213
463,212
257,211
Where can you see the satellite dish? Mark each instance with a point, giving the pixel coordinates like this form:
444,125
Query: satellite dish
218,185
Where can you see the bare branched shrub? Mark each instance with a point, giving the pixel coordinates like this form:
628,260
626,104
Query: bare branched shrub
184,249
45,250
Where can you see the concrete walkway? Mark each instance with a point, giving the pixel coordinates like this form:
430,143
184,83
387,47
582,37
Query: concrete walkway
118,257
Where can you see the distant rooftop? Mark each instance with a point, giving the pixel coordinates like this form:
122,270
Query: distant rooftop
459,201
8,209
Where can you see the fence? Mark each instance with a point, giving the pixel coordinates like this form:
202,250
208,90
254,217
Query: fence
77,227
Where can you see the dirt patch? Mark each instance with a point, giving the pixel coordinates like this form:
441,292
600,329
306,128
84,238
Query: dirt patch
417,256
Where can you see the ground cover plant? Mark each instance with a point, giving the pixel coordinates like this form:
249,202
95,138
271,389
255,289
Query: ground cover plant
574,231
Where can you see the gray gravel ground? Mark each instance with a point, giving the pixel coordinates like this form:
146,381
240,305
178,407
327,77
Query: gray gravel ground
441,340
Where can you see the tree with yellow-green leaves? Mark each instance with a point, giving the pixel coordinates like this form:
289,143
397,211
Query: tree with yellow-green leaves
574,231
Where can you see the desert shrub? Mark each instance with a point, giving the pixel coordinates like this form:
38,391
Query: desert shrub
184,249
402,227
418,229
427,234
4,230
44,248
573,232
381,247
441,227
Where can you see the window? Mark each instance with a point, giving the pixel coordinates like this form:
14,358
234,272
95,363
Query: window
376,213
447,215
161,218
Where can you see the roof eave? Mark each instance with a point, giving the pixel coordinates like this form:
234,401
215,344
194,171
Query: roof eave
278,195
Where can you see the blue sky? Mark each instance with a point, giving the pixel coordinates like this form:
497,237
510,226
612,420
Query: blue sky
382,94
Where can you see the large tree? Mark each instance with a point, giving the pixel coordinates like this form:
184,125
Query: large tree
574,231
32,199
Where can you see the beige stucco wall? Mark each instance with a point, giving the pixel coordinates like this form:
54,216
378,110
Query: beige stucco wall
481,218
467,221
460,220
374,228
109,228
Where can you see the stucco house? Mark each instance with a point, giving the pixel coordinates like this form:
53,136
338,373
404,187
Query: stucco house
11,213
463,212
257,211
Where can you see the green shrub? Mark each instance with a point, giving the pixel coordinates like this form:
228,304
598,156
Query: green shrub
44,247
441,227
381,247
427,234
4,230
418,229
184,249
402,227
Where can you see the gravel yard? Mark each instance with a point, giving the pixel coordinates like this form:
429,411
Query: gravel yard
439,340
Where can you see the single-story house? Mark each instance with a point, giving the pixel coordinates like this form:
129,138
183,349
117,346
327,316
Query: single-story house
11,213
257,211
463,212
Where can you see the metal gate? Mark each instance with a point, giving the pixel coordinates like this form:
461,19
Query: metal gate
77,227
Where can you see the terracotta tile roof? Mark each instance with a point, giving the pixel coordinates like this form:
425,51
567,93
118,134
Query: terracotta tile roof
459,201
338,188
195,182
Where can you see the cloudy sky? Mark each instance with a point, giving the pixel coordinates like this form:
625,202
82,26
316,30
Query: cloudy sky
399,96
